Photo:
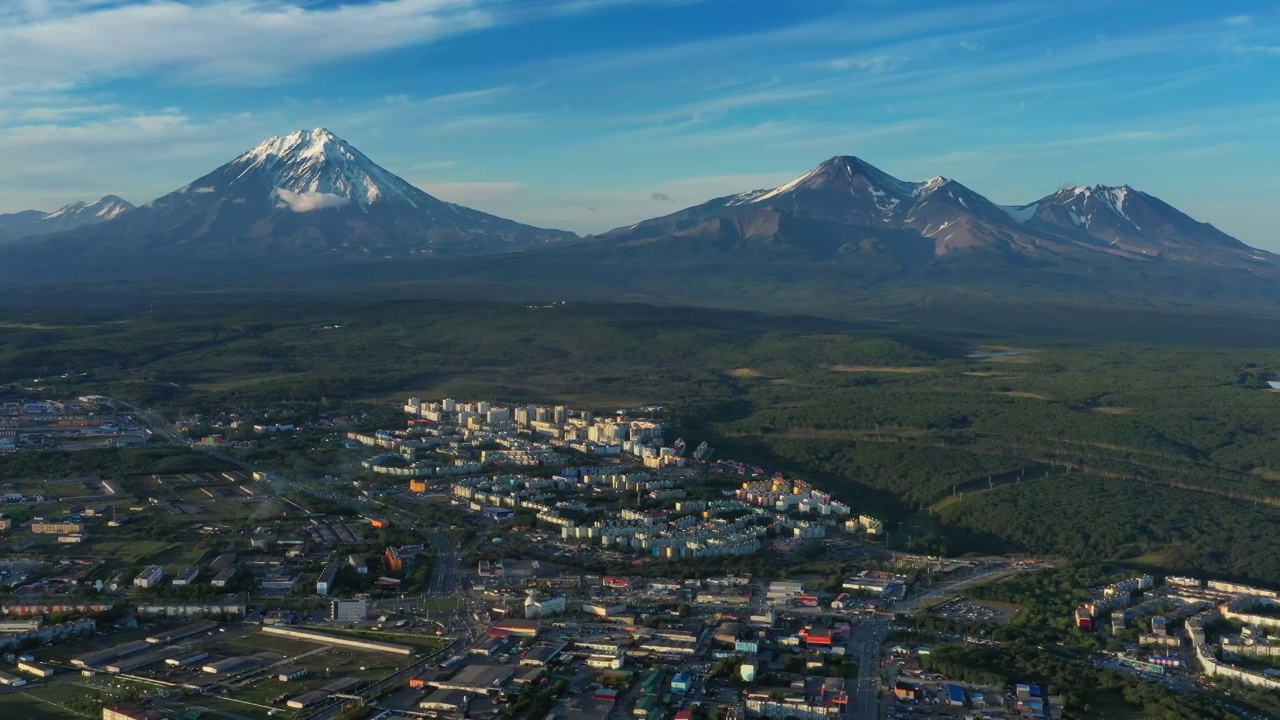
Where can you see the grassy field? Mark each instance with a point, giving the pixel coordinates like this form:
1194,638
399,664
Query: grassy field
25,704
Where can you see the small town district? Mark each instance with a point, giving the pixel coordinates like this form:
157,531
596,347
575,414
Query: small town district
281,610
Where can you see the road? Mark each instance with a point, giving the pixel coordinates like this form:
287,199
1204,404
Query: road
864,646
995,573
444,576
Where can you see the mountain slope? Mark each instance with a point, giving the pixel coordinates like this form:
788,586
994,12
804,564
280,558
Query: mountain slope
79,214
304,198
1136,224
1077,230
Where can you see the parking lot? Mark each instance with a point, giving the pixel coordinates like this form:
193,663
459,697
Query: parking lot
976,611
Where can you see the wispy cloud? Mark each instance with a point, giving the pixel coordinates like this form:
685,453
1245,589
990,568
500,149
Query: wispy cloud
63,44
1271,50
867,63
237,41
1238,20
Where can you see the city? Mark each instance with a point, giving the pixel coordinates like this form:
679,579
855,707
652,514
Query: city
543,594
639,360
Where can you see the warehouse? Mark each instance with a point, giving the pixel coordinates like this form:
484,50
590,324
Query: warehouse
186,658
314,697
11,680
451,701
182,632
307,699
477,679
523,628
541,654
186,576
231,664
291,673
489,646
97,658
327,639
33,668
133,662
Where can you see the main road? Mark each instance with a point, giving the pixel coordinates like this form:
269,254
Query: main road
864,646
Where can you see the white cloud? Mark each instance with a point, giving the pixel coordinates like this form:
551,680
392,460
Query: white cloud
869,63
309,201
1238,20
1271,50
67,43
236,41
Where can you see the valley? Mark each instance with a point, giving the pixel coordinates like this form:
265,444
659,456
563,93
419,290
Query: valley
1087,449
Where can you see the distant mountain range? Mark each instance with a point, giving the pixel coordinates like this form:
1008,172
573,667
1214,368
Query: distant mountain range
304,198
79,214
311,200
846,206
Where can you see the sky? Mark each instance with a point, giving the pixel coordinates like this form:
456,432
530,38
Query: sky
593,114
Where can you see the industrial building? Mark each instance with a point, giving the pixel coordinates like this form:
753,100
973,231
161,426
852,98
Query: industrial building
449,701
348,610
540,655
523,628
128,713
140,660
328,639
186,658
182,632
55,528
291,673
476,679
229,665
96,659
324,585
315,697
186,576
149,577
33,668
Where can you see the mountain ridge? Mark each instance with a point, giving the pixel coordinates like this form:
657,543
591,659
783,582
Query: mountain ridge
30,223
308,202
1105,222
304,198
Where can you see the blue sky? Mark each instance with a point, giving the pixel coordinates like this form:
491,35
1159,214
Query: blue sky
590,114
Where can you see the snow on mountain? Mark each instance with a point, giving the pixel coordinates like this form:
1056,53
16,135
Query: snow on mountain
858,207
305,195
313,169
77,214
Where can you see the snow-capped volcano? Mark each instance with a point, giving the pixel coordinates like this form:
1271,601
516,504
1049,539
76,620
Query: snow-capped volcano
305,196
316,170
845,206
1123,219
843,188
77,214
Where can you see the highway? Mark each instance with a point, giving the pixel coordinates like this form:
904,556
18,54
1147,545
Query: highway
994,573
864,645
444,576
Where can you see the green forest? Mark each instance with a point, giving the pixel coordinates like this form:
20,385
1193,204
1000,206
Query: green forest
1161,451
